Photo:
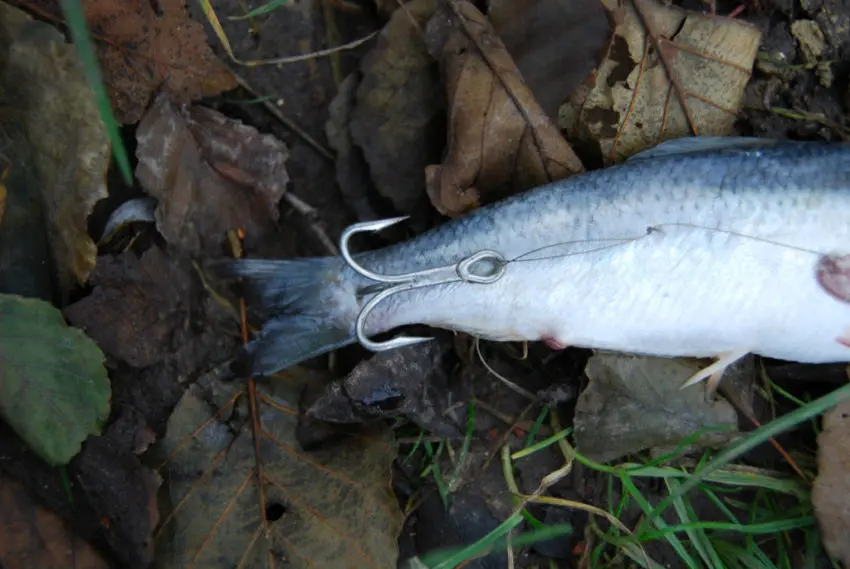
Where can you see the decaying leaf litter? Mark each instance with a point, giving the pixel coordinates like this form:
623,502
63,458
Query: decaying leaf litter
166,332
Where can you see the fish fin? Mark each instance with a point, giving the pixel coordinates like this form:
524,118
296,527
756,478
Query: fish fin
309,311
696,144
714,372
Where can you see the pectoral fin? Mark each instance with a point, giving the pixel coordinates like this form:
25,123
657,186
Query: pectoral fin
714,372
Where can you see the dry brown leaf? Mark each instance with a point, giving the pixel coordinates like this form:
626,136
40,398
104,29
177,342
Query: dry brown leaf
3,193
136,307
330,507
396,118
555,44
32,536
352,172
210,174
143,49
632,104
831,490
56,135
635,403
500,141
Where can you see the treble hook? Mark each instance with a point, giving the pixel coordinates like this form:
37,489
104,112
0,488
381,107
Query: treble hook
460,271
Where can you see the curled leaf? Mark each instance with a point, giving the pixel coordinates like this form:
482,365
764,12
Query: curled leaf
57,135
831,490
668,73
209,174
500,139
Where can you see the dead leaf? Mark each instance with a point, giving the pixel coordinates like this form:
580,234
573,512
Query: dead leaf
500,141
634,403
408,382
3,193
210,174
831,490
810,38
57,135
112,501
147,46
33,536
137,307
352,172
330,507
631,103
397,118
555,44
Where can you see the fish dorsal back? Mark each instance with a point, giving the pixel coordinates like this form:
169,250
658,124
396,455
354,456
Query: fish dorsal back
700,144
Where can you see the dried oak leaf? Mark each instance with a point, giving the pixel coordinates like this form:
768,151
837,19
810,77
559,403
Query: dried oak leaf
330,507
137,307
210,174
555,44
635,100
397,120
33,536
635,403
56,135
831,490
146,49
500,141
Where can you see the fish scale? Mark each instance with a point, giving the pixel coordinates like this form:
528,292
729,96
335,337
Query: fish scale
698,247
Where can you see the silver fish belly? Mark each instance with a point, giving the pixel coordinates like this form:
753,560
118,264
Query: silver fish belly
685,255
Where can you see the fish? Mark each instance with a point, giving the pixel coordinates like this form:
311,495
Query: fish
699,247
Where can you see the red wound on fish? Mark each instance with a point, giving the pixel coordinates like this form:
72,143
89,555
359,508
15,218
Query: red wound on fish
833,274
553,343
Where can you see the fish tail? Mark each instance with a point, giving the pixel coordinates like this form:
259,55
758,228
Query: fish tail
309,309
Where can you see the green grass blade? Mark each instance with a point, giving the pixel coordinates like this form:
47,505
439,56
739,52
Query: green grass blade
85,51
264,9
698,538
542,444
671,538
754,439
763,528
536,427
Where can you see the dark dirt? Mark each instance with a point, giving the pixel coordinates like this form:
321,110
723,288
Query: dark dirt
112,491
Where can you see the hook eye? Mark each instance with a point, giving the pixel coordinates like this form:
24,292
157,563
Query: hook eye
464,268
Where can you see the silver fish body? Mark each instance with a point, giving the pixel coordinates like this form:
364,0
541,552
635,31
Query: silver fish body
699,247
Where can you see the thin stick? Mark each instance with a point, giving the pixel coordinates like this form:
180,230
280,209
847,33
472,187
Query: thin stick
312,54
312,215
288,123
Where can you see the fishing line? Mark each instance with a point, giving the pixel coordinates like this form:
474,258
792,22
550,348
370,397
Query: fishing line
620,241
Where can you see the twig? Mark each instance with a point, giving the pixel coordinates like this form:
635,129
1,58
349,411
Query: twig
288,123
520,390
214,22
312,216
311,55
332,36
256,426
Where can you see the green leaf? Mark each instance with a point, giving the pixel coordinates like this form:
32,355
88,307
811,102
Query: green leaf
54,389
